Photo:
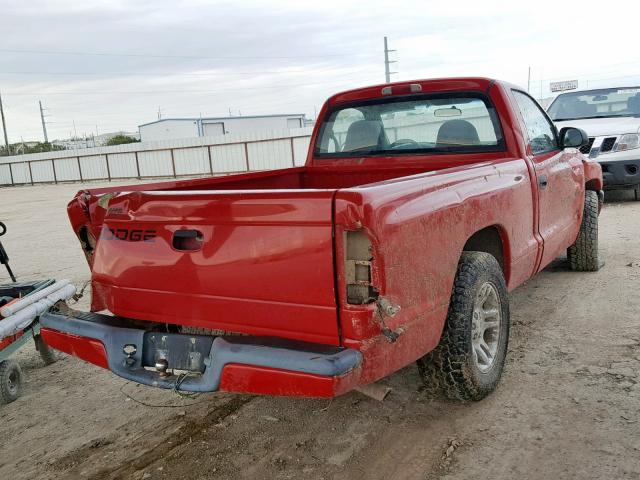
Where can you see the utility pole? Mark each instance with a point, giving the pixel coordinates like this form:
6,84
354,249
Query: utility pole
159,113
44,124
387,62
4,128
529,80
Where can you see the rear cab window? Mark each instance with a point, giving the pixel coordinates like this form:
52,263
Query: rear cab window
428,124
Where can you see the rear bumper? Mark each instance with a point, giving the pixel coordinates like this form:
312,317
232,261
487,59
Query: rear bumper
620,174
231,363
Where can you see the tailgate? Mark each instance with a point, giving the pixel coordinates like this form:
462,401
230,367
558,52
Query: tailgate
254,262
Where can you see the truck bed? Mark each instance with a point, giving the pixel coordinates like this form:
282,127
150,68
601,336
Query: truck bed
300,178
241,254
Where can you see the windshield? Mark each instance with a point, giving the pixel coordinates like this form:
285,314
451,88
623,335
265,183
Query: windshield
437,124
610,102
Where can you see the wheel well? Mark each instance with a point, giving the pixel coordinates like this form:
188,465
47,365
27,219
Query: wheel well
592,185
488,240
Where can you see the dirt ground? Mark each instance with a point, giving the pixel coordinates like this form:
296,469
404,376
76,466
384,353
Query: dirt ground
567,406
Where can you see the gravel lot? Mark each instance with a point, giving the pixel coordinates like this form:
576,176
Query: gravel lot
567,406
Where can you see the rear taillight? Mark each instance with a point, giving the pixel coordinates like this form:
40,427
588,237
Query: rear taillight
358,272
88,242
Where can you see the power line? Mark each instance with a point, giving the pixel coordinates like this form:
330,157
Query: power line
148,55
591,77
195,74
208,91
593,81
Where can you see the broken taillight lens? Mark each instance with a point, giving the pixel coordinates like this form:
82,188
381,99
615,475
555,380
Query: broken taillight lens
358,275
88,242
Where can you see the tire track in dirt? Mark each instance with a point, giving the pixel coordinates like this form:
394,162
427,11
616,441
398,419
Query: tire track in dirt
147,448
184,433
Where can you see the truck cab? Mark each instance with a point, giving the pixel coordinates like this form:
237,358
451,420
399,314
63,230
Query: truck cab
611,118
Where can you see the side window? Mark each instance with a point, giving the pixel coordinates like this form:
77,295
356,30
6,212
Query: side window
540,131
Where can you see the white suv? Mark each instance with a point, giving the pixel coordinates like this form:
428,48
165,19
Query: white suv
611,118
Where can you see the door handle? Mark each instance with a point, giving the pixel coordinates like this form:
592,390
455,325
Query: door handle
542,181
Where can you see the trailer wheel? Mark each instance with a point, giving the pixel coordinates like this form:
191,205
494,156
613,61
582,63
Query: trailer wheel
47,354
10,381
468,362
583,254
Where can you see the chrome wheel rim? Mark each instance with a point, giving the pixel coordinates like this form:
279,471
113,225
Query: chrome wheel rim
485,327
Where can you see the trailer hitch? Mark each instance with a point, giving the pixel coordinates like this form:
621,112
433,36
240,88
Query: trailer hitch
4,258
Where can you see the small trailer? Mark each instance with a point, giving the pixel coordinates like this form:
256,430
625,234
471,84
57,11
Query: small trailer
20,307
11,375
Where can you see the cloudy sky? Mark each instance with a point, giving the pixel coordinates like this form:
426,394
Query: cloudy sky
109,65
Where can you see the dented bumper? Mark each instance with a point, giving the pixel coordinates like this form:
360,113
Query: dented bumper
202,363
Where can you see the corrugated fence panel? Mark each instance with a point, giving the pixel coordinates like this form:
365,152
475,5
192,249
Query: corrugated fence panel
94,167
5,175
193,156
42,171
300,148
21,173
67,169
270,155
228,158
155,163
123,165
191,161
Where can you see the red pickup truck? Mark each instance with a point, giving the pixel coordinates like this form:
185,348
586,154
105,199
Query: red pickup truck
420,206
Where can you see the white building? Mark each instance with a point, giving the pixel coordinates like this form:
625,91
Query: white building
168,128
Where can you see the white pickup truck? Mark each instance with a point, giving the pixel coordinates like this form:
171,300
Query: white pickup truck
611,118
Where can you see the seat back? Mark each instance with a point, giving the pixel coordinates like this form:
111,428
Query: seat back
633,104
363,134
457,132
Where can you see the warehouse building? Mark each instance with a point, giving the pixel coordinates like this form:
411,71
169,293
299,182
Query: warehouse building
169,128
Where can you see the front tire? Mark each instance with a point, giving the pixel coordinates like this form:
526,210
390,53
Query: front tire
10,381
468,362
583,254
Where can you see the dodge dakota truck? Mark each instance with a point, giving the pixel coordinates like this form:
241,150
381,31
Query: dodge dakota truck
420,206
611,118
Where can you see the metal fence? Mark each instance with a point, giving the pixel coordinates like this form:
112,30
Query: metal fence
177,158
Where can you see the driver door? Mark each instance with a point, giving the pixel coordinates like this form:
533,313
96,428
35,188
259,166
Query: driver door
559,180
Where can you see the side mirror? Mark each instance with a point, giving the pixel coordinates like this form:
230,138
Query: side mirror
571,137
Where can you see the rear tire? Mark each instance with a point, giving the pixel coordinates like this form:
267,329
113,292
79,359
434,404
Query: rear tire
468,362
47,354
583,254
10,381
